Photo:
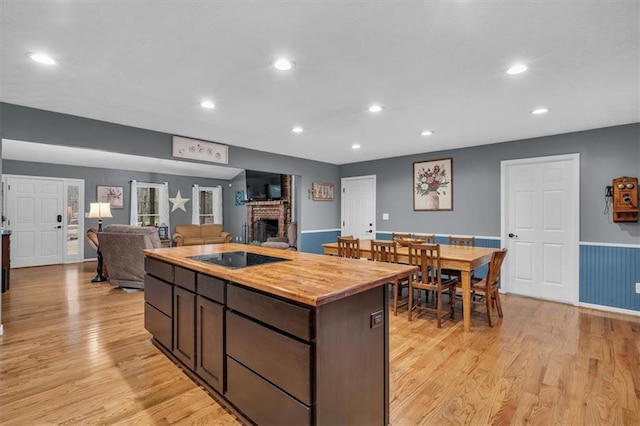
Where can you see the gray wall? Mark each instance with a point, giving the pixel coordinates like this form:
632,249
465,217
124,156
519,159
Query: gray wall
33,125
96,176
604,154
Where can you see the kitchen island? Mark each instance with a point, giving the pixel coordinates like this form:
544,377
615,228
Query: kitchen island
277,336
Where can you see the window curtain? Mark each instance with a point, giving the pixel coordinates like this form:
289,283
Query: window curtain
133,218
195,205
217,204
164,205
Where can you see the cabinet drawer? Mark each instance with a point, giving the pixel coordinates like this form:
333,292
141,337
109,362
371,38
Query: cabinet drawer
283,361
159,269
285,316
159,325
211,288
185,278
159,294
262,402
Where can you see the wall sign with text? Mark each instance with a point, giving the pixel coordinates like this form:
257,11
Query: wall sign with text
322,191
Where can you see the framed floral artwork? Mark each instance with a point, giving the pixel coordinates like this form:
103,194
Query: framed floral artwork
113,195
433,185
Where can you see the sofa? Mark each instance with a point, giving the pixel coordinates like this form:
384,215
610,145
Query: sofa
193,235
121,247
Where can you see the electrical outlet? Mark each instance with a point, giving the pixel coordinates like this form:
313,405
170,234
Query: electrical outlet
637,287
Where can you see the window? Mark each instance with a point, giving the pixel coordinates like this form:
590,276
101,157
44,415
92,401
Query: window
207,204
149,204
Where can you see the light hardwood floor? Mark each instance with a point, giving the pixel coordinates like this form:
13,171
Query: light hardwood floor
77,353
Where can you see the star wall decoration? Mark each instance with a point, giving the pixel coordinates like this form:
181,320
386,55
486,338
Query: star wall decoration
178,202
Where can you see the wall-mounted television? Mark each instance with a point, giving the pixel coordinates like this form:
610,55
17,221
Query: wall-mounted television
263,186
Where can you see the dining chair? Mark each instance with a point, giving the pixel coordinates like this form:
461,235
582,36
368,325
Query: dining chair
459,241
489,286
429,278
387,251
395,236
427,238
349,247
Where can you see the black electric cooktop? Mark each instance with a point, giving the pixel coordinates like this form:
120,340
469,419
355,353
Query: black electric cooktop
237,259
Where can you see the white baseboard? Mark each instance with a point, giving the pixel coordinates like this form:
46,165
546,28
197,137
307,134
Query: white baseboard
1,329
610,309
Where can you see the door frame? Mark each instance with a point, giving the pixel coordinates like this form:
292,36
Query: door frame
574,224
342,206
66,182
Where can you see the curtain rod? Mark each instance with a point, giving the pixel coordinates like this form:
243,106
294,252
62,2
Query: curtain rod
153,183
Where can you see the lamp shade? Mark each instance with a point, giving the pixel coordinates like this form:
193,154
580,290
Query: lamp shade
99,210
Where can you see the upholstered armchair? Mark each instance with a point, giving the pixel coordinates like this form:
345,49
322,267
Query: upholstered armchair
192,235
122,248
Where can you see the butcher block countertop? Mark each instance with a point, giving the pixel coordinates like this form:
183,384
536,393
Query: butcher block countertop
310,279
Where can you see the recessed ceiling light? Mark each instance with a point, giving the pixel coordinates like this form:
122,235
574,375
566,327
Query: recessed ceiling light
376,108
297,129
207,104
355,146
517,69
283,64
538,111
426,133
42,58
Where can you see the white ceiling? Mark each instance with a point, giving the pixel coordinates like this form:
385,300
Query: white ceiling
433,64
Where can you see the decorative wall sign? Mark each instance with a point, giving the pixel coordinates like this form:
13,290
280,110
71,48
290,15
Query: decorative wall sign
322,191
113,195
200,150
239,195
178,202
433,184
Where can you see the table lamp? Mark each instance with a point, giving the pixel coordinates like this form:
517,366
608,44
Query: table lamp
98,211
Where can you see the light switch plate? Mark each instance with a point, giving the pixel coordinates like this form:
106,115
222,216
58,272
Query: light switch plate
385,216
637,287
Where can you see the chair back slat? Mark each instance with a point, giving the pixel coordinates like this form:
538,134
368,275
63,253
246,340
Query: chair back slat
462,241
427,258
395,236
493,274
384,251
427,238
349,247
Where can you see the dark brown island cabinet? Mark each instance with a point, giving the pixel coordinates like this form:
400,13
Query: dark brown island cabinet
268,357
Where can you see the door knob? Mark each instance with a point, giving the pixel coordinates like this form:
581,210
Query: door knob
512,235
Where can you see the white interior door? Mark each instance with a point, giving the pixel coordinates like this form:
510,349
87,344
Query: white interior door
358,206
35,217
540,227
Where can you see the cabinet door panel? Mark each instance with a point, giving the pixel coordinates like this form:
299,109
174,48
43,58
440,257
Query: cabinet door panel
285,316
280,359
184,326
159,294
159,325
262,402
159,269
210,344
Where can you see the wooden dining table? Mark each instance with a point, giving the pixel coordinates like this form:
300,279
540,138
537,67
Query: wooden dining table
461,258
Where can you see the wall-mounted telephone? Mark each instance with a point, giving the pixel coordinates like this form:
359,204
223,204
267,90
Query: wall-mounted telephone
625,199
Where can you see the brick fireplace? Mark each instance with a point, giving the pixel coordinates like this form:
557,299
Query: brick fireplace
268,211
271,211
